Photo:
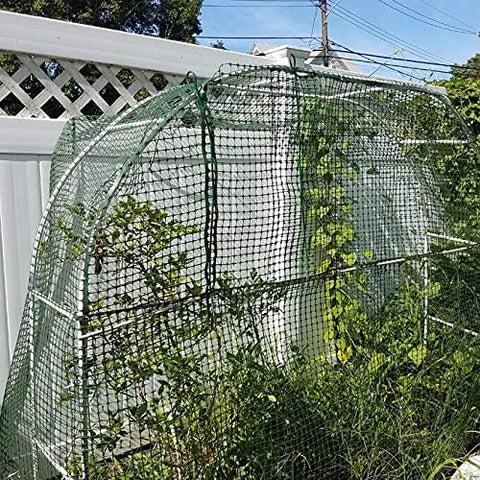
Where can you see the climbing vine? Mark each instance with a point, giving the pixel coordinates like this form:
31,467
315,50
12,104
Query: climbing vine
326,169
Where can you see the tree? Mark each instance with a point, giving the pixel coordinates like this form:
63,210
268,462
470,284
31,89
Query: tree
178,19
464,92
468,69
463,89
172,19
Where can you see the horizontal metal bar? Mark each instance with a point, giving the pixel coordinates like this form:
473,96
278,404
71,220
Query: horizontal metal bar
139,123
434,142
452,239
51,304
457,250
399,260
109,329
452,325
186,301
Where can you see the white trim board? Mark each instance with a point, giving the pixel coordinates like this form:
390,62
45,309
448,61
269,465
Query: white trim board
58,39
29,135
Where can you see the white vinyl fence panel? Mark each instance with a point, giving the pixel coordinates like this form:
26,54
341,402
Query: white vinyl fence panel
23,195
25,148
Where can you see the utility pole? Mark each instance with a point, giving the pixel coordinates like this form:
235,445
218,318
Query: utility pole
323,8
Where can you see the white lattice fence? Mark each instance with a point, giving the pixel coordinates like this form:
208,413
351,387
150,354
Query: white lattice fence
35,86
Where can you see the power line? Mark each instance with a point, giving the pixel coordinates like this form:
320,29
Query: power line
384,65
345,15
366,29
408,60
367,57
313,24
397,65
256,6
334,6
253,37
441,25
225,37
406,7
382,34
447,14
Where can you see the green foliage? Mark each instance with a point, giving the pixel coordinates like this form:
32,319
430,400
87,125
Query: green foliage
326,169
400,408
379,402
392,408
459,166
458,280
464,92
184,415
469,69
178,19
173,19
396,407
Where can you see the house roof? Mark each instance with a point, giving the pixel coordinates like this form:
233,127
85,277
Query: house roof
313,57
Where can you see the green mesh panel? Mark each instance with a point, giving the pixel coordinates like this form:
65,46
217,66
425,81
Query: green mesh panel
75,137
270,276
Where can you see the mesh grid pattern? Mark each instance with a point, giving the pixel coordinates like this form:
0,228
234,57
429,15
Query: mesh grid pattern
264,277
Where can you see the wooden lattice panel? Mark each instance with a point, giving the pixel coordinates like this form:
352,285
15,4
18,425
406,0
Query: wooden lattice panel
40,87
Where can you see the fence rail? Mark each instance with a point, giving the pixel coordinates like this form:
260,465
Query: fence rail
53,69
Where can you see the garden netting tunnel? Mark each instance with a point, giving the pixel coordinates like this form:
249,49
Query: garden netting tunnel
270,275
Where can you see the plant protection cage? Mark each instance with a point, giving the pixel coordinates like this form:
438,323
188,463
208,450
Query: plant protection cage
271,275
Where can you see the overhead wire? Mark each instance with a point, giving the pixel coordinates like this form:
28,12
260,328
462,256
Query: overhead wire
446,14
382,34
399,62
366,28
208,5
341,13
384,65
392,39
395,65
408,60
406,7
409,67
334,6
255,37
357,21
313,25
430,21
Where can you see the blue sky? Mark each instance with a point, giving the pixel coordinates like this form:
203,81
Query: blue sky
296,18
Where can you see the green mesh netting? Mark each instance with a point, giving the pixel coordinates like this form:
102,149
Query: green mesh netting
274,275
